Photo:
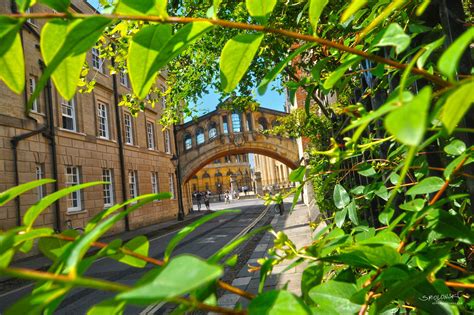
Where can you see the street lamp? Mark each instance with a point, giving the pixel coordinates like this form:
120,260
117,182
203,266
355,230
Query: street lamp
174,159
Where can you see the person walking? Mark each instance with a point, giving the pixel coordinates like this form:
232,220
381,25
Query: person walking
206,202
198,200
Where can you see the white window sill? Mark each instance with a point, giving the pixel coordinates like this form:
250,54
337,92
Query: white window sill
106,139
37,113
72,131
73,212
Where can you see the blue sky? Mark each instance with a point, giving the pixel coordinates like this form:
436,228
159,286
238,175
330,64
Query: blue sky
271,99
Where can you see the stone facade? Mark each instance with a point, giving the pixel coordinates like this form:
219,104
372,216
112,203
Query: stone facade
274,174
215,176
85,132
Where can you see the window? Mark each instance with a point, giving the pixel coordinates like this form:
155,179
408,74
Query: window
163,97
123,78
128,129
225,125
227,159
97,62
262,124
236,123
32,87
167,141
154,183
68,112
150,135
171,183
40,175
249,122
212,131
74,199
188,142
132,184
200,136
108,188
102,117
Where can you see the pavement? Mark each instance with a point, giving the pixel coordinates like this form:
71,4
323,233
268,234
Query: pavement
296,226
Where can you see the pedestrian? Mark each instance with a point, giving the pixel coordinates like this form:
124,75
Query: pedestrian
206,202
226,197
198,200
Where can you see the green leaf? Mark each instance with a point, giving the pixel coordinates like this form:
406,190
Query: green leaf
260,9
76,252
311,277
296,197
216,4
456,106
340,196
142,7
382,192
227,249
182,274
270,76
36,302
16,191
420,62
79,39
35,210
153,47
386,215
353,7
24,4
190,228
58,5
336,297
337,74
109,307
426,186
384,237
316,7
12,63
54,247
394,36
454,163
340,217
236,57
449,225
138,245
455,147
408,123
366,170
67,74
278,302
448,63
370,256
352,211
297,175
414,205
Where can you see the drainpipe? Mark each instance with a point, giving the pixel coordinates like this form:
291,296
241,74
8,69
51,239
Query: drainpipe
120,143
51,135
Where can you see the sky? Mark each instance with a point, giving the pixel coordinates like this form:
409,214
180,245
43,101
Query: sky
271,99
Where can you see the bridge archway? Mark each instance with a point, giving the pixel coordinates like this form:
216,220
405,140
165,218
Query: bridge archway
223,139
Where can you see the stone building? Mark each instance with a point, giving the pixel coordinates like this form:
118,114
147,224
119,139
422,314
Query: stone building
86,139
215,177
274,174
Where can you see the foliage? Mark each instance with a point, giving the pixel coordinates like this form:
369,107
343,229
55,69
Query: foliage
388,161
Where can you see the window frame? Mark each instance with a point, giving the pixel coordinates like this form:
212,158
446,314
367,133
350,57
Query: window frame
103,120
171,183
108,188
97,60
66,105
128,130
150,136
123,78
155,185
132,180
39,174
32,86
167,138
78,194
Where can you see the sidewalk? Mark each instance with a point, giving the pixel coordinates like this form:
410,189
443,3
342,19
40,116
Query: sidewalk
41,262
296,226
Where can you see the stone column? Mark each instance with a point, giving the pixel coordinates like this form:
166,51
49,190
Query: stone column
233,185
258,184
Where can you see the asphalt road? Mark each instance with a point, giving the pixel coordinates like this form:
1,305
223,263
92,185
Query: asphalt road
203,242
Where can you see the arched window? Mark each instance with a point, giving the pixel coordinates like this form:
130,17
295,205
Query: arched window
229,173
195,177
262,124
188,142
218,174
212,130
200,136
236,122
205,175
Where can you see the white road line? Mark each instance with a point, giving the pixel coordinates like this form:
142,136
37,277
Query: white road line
16,290
150,310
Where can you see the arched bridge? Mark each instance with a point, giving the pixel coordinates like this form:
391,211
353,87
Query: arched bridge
223,132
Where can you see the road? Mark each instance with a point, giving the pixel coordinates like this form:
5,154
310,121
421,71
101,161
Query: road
203,242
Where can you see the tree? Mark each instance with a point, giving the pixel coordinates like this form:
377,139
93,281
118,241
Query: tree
397,234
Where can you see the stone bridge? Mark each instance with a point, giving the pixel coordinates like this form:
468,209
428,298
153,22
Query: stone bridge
223,132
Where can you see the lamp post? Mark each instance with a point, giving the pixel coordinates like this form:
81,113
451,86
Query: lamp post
174,159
